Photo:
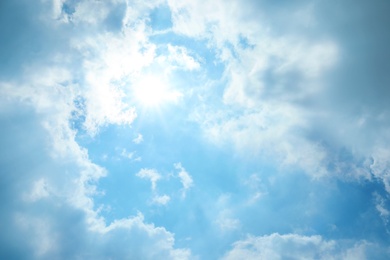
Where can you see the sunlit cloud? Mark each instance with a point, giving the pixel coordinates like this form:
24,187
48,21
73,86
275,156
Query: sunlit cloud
152,92
169,129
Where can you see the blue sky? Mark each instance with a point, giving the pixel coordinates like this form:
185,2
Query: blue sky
194,130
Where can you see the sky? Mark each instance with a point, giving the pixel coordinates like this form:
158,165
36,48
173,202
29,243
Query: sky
189,129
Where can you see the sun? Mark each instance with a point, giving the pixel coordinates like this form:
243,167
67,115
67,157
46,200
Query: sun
151,91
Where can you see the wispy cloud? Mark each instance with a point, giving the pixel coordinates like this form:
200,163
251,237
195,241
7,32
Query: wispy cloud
139,139
277,246
161,200
185,178
150,174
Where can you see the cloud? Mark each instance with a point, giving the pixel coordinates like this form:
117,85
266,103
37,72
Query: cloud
267,79
153,90
256,188
161,200
302,90
225,219
90,12
150,174
139,139
55,174
288,91
201,20
132,156
179,55
48,175
272,132
384,212
126,154
293,246
166,184
185,178
38,191
380,165
161,240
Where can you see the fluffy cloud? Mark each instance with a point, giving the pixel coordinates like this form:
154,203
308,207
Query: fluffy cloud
51,200
305,87
47,175
294,246
288,93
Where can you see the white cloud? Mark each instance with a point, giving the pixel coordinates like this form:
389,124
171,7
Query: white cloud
273,104
185,178
139,139
50,170
46,244
150,174
162,248
198,19
266,79
126,154
179,55
255,187
277,60
293,246
227,224
111,64
281,101
90,11
153,90
58,176
161,200
38,191
255,197
57,8
381,164
225,219
384,213
270,131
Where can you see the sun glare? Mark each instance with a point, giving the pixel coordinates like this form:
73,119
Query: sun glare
153,92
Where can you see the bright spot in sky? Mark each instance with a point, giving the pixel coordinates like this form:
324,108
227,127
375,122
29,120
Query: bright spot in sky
152,91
